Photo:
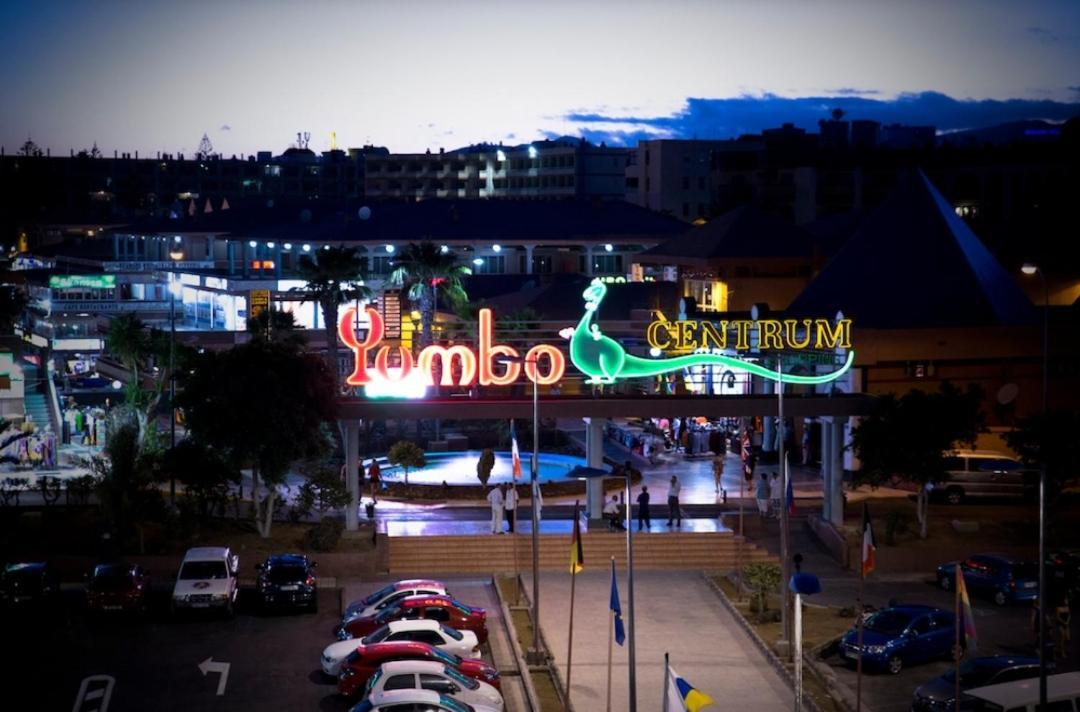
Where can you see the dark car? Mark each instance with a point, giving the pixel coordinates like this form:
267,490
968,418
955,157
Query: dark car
899,636
27,584
940,693
288,580
1062,573
996,576
366,659
117,586
443,609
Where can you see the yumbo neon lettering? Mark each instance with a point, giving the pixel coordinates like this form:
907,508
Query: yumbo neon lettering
492,365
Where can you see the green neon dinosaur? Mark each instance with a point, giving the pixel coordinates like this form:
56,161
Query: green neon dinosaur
604,360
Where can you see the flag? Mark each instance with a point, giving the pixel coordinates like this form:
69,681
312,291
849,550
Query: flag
515,454
620,632
745,449
577,558
191,207
868,543
684,696
209,208
965,611
224,203
790,497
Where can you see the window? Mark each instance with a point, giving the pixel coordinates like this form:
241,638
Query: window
438,683
993,464
942,620
607,264
203,570
437,614
400,682
686,183
954,464
451,632
921,626
490,264
686,210
381,265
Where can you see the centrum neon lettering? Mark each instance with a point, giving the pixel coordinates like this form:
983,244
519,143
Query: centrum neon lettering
773,334
459,365
604,360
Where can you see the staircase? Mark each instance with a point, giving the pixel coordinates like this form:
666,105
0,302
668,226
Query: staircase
719,551
34,401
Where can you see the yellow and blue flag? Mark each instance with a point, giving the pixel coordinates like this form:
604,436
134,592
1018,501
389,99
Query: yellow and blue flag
682,696
577,556
620,632
966,615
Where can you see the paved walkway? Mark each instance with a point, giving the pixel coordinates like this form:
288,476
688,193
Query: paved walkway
676,613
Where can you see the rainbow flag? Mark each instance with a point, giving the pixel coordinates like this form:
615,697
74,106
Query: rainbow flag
515,454
577,557
682,696
968,616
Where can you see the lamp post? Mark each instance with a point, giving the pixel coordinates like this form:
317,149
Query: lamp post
176,254
1031,269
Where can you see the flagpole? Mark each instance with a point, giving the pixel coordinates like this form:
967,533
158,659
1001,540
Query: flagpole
632,653
570,637
610,642
785,573
956,648
858,660
667,680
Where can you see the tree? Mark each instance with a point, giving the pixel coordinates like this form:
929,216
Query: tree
127,471
485,465
129,341
205,473
406,455
907,438
267,404
276,325
335,275
763,578
1049,439
322,491
425,270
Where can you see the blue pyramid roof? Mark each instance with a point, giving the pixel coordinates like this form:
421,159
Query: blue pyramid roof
913,263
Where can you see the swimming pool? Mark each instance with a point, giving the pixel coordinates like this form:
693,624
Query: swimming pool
459,468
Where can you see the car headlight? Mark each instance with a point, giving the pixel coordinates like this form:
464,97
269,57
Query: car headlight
876,649
220,596
343,634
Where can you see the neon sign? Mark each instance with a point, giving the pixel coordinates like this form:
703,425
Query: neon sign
460,365
773,334
604,360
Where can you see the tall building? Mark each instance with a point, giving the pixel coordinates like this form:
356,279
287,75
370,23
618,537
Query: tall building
672,177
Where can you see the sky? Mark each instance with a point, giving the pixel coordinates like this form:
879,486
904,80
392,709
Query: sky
416,74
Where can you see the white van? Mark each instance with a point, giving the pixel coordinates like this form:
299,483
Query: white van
984,473
1062,695
207,579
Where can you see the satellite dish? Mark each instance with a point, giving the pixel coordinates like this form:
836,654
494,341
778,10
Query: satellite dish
364,213
1007,393
305,216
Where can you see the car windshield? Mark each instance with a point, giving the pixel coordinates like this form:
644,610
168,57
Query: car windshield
450,632
287,574
452,705
378,595
203,570
445,657
372,681
462,607
464,681
376,635
887,622
111,578
388,615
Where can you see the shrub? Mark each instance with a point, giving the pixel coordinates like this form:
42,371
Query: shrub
763,578
485,465
325,535
896,523
407,455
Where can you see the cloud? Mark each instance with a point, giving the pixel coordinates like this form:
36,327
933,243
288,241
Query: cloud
226,127
732,117
1046,36
848,91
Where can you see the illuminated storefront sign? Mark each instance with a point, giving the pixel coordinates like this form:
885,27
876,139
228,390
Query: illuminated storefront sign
82,281
490,365
772,334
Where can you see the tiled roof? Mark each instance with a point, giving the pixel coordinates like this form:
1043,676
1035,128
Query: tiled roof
745,232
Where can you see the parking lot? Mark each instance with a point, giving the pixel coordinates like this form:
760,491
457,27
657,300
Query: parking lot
254,661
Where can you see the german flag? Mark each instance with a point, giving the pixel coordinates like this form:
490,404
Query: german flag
577,558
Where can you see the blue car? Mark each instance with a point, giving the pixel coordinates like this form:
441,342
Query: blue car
999,577
939,693
899,636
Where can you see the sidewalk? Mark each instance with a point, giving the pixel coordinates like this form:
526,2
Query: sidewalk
677,613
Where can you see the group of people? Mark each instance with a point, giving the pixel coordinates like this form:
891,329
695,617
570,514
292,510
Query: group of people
504,500
768,493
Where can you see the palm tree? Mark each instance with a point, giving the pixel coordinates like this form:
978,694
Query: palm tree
424,270
334,276
128,341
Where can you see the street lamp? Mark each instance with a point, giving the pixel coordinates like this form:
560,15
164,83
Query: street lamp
1031,269
175,254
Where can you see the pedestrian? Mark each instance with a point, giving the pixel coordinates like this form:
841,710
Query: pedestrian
774,494
611,511
495,498
717,472
510,504
674,513
643,509
373,477
762,496
1063,621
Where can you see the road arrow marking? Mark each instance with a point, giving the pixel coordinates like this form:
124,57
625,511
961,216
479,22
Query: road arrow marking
87,696
208,665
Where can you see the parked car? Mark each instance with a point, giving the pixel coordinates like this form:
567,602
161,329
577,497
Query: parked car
995,575
443,609
287,580
207,579
901,635
939,694
27,584
458,642
362,663
401,700
117,586
1062,690
984,473
435,676
1063,572
391,594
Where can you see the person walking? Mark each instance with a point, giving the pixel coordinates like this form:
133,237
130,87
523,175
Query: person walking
761,494
495,498
510,503
373,477
717,472
611,512
643,509
1063,621
775,494
674,513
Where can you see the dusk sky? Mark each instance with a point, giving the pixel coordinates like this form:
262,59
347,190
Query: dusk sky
413,74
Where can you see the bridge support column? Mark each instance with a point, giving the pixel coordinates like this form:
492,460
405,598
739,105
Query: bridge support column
768,434
352,479
594,454
832,470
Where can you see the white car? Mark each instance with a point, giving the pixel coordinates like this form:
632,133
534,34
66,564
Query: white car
458,642
207,579
420,676
391,594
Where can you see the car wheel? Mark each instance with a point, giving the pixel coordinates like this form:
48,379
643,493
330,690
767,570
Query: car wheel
945,582
895,665
999,598
954,495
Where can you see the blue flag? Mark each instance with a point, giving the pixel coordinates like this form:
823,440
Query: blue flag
620,633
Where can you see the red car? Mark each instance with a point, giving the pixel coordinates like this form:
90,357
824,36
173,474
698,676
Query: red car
117,587
439,608
362,664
